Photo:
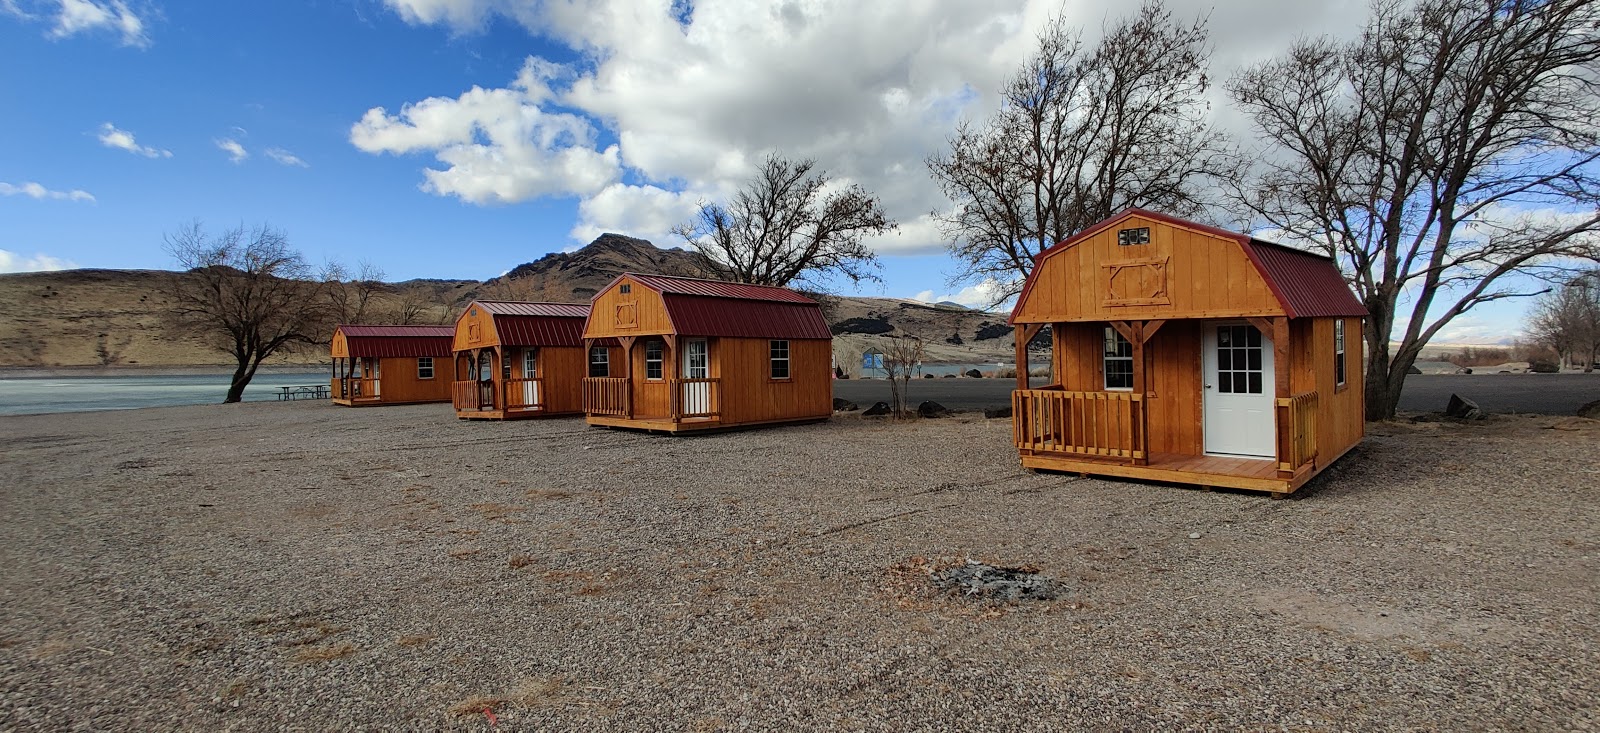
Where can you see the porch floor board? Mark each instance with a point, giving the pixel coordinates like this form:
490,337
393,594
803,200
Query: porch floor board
1233,473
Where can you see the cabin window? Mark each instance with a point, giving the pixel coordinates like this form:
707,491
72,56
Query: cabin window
1127,237
599,362
530,363
1118,361
1338,352
626,288
653,359
424,367
505,368
780,359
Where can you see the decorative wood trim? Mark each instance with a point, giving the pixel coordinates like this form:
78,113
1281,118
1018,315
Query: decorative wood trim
1157,265
1150,328
1024,334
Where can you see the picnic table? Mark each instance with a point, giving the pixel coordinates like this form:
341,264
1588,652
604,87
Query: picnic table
302,392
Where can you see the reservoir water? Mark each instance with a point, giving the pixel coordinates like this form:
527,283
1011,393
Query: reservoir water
78,394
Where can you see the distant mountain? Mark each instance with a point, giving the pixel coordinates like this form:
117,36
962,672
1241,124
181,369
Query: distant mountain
577,276
119,317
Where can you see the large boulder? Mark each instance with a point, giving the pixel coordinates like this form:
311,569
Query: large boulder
974,373
994,412
843,405
876,410
1540,366
932,409
1463,408
1591,410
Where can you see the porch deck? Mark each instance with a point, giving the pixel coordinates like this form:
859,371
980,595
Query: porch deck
1253,474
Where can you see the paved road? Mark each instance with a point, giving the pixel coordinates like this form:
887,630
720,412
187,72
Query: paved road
1547,394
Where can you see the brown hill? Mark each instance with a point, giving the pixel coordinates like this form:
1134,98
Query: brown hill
118,317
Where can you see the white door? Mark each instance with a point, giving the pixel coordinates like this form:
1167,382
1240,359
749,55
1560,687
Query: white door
530,369
696,365
1239,391
377,376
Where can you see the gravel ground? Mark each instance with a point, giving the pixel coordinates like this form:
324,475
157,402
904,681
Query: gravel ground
278,566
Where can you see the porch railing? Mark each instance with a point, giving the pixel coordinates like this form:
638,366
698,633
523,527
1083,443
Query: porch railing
1079,423
472,395
1297,431
607,396
350,388
700,397
524,394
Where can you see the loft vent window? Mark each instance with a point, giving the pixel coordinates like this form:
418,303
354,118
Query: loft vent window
626,288
1127,237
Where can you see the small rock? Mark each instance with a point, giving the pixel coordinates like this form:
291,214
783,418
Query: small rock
974,373
995,412
877,409
1463,408
1194,535
932,409
1591,410
844,405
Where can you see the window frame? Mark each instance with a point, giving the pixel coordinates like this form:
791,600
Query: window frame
1341,365
773,359
604,361
658,363
530,363
430,367
1116,340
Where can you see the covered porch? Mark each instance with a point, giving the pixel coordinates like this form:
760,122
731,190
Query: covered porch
654,394
490,392
355,381
1206,402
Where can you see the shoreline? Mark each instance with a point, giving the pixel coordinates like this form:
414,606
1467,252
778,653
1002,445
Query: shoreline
176,370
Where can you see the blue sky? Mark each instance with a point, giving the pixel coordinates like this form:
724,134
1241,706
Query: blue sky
459,138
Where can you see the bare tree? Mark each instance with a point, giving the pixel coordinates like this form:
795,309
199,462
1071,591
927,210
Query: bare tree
247,292
1446,158
1081,134
901,360
350,296
1567,320
790,224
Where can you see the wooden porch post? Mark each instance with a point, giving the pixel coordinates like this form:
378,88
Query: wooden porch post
1133,331
1025,333
1278,328
670,374
627,369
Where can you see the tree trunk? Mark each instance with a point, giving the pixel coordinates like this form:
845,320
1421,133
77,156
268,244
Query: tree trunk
242,375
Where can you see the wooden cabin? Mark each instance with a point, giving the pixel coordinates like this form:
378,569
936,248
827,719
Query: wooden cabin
520,360
391,365
703,354
1188,354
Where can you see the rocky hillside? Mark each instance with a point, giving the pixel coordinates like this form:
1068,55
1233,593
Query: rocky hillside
118,317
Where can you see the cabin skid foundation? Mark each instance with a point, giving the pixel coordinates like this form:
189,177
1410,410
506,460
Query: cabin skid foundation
691,425
1206,472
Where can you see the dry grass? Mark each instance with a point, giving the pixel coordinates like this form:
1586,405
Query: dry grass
466,553
519,560
496,512
312,654
415,639
531,693
476,704
548,494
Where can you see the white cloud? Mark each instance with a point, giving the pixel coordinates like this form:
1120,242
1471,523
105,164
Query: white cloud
35,190
286,158
72,17
497,145
695,96
980,296
112,137
39,262
236,152
647,212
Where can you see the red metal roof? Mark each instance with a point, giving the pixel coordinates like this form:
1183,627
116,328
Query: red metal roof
694,315
666,284
384,342
519,308
536,324
1307,285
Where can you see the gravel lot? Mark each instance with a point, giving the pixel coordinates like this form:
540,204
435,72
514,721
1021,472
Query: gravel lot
306,566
